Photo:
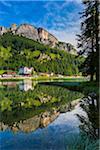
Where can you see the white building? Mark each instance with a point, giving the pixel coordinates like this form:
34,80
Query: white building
25,70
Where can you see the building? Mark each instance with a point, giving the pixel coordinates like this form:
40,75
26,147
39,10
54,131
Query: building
25,70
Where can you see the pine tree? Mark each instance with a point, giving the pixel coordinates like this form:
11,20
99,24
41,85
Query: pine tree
88,41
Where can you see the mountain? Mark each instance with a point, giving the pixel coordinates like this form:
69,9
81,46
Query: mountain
40,35
17,51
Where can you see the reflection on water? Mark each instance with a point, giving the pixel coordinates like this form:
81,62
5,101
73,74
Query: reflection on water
24,85
52,137
90,124
27,85
31,124
42,116
30,105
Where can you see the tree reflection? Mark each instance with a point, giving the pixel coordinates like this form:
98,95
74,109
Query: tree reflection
90,123
38,105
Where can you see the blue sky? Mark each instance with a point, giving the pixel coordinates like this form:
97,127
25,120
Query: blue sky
60,17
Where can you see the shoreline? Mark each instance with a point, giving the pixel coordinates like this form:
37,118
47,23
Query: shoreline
42,78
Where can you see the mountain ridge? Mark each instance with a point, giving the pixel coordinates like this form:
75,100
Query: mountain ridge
17,51
38,34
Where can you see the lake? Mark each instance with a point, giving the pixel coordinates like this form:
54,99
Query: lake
39,116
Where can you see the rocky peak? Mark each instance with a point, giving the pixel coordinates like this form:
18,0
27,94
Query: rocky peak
43,34
38,34
27,31
47,38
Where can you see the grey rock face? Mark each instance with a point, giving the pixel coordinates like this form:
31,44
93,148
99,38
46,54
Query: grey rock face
67,47
27,31
46,38
40,35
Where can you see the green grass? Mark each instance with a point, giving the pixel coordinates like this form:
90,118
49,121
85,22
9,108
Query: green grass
1,72
44,78
11,79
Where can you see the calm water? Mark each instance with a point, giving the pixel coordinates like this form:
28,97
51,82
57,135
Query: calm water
36,116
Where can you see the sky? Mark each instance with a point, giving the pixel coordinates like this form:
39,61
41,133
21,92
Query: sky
59,17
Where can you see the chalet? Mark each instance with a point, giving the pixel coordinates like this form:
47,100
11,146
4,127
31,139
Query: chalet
25,70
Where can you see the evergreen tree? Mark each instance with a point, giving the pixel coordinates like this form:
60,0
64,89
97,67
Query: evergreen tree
88,41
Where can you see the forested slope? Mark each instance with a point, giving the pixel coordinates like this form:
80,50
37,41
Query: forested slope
16,51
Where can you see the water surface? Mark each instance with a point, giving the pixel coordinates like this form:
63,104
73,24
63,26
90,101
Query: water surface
36,116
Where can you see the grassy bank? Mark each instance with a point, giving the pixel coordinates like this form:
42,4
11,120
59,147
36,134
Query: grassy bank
40,78
73,83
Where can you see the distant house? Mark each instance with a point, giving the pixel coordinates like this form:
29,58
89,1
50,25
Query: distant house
9,73
25,70
44,74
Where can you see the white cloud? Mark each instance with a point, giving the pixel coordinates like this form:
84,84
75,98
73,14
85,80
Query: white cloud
64,24
65,36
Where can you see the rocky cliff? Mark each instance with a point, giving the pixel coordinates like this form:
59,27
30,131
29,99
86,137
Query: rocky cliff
38,34
66,46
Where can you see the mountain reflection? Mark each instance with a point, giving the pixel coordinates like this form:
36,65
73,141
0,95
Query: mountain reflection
26,106
31,124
